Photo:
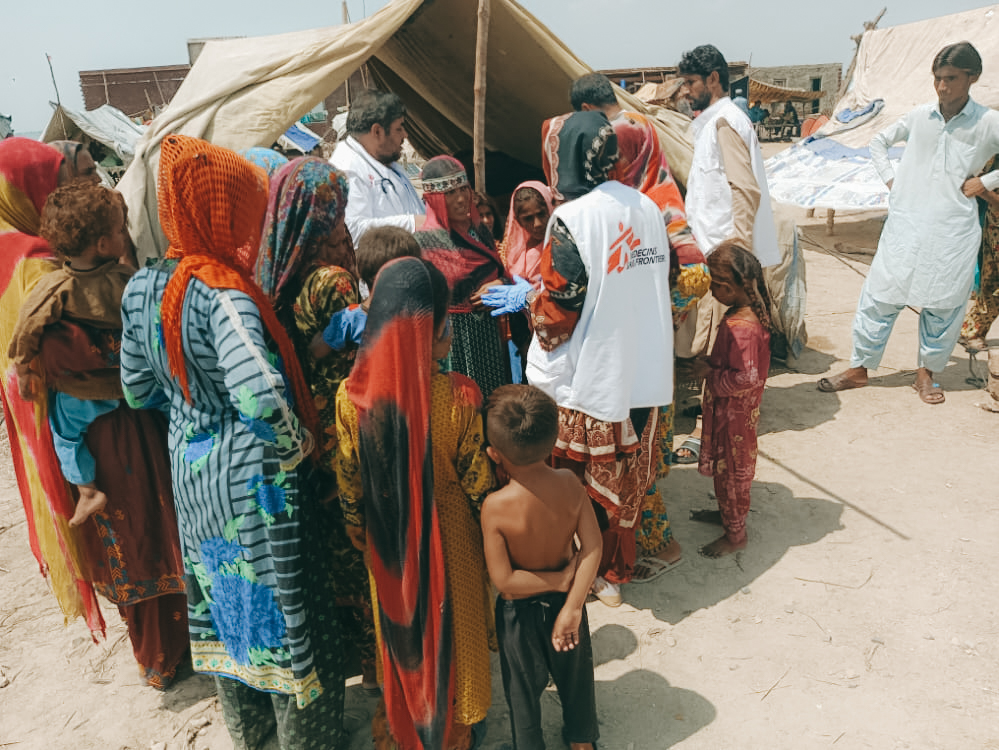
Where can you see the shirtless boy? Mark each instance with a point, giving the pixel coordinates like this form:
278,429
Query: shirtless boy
542,546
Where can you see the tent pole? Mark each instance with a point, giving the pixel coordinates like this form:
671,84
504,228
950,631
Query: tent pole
479,125
346,84
868,26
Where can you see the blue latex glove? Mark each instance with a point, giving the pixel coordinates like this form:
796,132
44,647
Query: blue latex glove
508,298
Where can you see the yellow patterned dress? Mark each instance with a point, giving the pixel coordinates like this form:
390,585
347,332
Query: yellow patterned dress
463,476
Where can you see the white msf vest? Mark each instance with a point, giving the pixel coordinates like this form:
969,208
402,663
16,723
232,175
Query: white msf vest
620,354
709,197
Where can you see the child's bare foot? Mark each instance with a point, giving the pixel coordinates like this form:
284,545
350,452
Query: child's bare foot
721,547
91,501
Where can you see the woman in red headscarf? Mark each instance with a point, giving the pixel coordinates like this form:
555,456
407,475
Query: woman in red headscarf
455,241
114,551
29,172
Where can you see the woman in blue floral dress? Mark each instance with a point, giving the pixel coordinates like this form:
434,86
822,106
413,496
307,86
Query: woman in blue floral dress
202,341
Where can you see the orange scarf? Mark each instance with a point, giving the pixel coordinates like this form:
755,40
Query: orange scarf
212,206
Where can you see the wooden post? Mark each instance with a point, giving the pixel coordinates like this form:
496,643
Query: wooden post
479,122
346,84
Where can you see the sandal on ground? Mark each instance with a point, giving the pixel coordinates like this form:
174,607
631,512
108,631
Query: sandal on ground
930,393
607,592
838,383
656,567
693,446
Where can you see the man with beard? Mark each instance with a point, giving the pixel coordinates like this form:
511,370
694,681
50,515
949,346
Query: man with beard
380,193
727,195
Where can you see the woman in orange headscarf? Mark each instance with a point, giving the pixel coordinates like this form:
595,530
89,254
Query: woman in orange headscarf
201,336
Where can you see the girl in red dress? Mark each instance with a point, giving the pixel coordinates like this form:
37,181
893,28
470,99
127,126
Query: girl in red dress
736,373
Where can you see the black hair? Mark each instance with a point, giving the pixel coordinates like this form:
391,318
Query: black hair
747,274
441,292
373,107
378,246
521,423
481,199
703,61
594,89
960,55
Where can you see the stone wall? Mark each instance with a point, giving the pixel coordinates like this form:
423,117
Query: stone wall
801,77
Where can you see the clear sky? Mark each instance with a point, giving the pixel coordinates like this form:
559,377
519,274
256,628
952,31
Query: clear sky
604,33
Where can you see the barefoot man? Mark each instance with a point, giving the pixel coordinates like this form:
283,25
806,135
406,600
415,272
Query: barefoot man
928,248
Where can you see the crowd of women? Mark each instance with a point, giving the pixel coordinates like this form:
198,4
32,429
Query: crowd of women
293,473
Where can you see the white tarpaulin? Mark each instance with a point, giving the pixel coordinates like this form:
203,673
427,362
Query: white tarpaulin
106,125
832,169
246,92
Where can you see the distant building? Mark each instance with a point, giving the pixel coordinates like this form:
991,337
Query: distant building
138,92
6,129
824,77
632,79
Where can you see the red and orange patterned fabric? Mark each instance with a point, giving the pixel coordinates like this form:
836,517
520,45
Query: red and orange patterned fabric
390,388
29,172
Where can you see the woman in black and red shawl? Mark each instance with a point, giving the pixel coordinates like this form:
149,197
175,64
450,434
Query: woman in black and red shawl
459,245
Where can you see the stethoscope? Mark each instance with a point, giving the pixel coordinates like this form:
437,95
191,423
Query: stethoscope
383,181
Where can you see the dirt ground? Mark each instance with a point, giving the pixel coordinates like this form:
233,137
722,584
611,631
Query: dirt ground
863,614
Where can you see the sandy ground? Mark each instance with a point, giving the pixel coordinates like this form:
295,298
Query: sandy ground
862,615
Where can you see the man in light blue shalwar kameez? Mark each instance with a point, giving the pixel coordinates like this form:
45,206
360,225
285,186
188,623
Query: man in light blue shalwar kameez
929,245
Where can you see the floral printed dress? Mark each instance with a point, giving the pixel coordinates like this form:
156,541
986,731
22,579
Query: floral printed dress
247,533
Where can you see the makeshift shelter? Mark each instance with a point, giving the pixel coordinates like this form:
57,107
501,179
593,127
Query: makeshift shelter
767,93
891,76
106,125
246,92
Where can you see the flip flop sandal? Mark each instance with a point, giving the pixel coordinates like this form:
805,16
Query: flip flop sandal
657,568
607,592
691,444
838,383
930,390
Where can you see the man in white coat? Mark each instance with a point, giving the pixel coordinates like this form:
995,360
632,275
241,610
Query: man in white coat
727,194
929,245
380,193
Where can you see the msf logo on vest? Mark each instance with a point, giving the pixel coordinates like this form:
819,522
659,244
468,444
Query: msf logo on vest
621,250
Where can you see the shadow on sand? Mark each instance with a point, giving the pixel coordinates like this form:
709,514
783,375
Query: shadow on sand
670,714
778,521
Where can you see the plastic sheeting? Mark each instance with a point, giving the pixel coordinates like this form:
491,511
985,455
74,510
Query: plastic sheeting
801,177
246,92
106,125
894,65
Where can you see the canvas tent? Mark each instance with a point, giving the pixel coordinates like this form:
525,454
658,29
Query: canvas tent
106,125
892,75
245,92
